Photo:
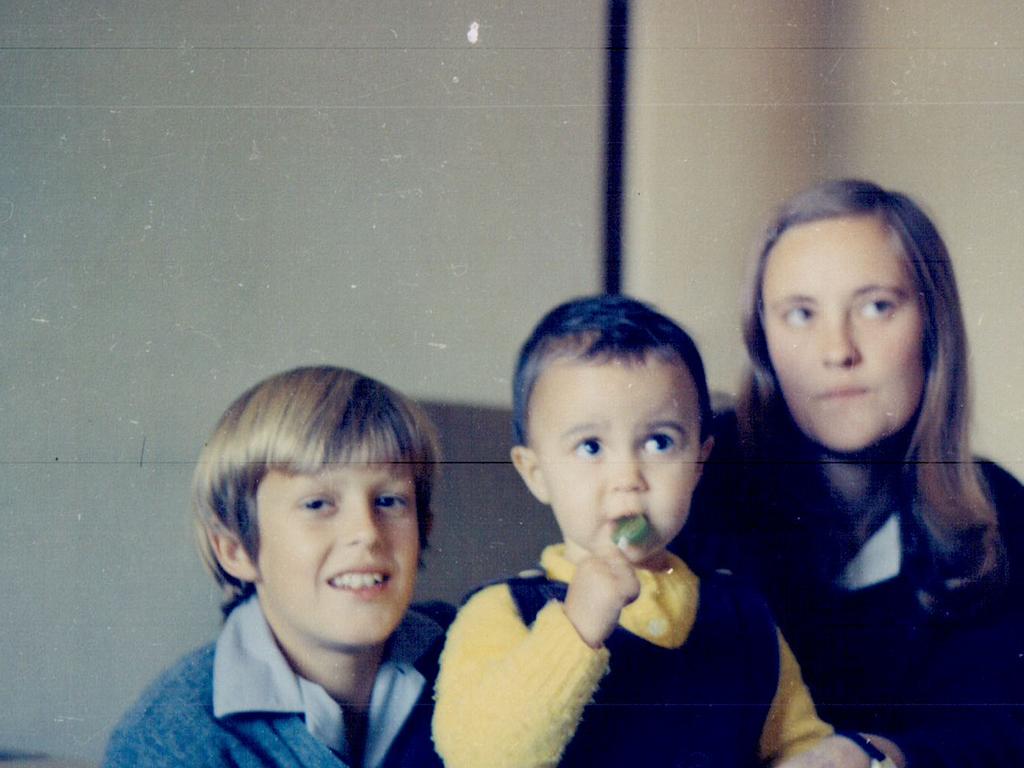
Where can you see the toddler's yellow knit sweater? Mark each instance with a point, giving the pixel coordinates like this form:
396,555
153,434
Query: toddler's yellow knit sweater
511,696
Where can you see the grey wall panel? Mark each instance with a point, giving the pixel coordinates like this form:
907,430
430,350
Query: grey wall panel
196,195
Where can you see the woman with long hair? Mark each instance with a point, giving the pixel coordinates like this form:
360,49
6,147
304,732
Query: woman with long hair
844,483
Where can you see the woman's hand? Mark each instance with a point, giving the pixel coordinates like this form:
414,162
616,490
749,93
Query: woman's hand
833,752
840,752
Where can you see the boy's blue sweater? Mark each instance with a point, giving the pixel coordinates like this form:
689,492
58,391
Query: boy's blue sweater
173,726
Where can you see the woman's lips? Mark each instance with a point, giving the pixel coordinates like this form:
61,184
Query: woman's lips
842,393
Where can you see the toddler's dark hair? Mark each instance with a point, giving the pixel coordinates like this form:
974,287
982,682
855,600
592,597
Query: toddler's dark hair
601,328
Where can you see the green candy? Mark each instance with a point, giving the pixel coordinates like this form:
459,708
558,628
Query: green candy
631,530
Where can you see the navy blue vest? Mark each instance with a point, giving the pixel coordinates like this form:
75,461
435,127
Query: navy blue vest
703,705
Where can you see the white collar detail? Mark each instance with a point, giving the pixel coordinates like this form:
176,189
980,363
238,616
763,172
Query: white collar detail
878,560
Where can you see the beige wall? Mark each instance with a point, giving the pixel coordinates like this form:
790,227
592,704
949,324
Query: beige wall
735,106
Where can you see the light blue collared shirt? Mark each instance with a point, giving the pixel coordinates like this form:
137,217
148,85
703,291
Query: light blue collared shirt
250,674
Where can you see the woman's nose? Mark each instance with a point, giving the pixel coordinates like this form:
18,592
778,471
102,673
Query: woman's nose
839,348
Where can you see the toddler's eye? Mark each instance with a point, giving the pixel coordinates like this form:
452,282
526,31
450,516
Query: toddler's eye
316,504
797,316
659,443
590,447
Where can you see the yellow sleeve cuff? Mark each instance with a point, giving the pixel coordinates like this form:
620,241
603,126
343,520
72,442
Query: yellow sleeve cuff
793,725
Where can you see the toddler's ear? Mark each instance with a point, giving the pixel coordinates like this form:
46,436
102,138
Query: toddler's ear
232,555
705,452
525,461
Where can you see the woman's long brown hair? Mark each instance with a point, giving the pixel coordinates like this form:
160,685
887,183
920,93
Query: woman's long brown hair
955,506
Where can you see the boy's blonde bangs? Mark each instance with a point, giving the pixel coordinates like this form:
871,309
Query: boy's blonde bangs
309,418
302,421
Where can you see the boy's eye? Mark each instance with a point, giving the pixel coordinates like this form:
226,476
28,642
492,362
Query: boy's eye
589,447
316,504
659,443
392,503
797,317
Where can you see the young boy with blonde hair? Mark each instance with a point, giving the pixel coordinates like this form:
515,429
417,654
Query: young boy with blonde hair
615,653
312,506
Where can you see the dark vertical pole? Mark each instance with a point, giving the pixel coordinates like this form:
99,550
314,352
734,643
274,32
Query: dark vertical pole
614,143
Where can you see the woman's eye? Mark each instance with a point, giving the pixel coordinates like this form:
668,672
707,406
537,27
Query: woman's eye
797,316
659,443
589,447
878,308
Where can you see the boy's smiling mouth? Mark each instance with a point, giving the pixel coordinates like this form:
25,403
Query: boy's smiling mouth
358,580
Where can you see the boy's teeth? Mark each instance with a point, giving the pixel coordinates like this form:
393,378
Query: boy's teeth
357,580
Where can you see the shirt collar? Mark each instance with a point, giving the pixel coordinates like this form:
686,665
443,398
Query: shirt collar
878,560
250,674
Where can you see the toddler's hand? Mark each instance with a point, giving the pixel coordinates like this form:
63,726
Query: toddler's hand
603,585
